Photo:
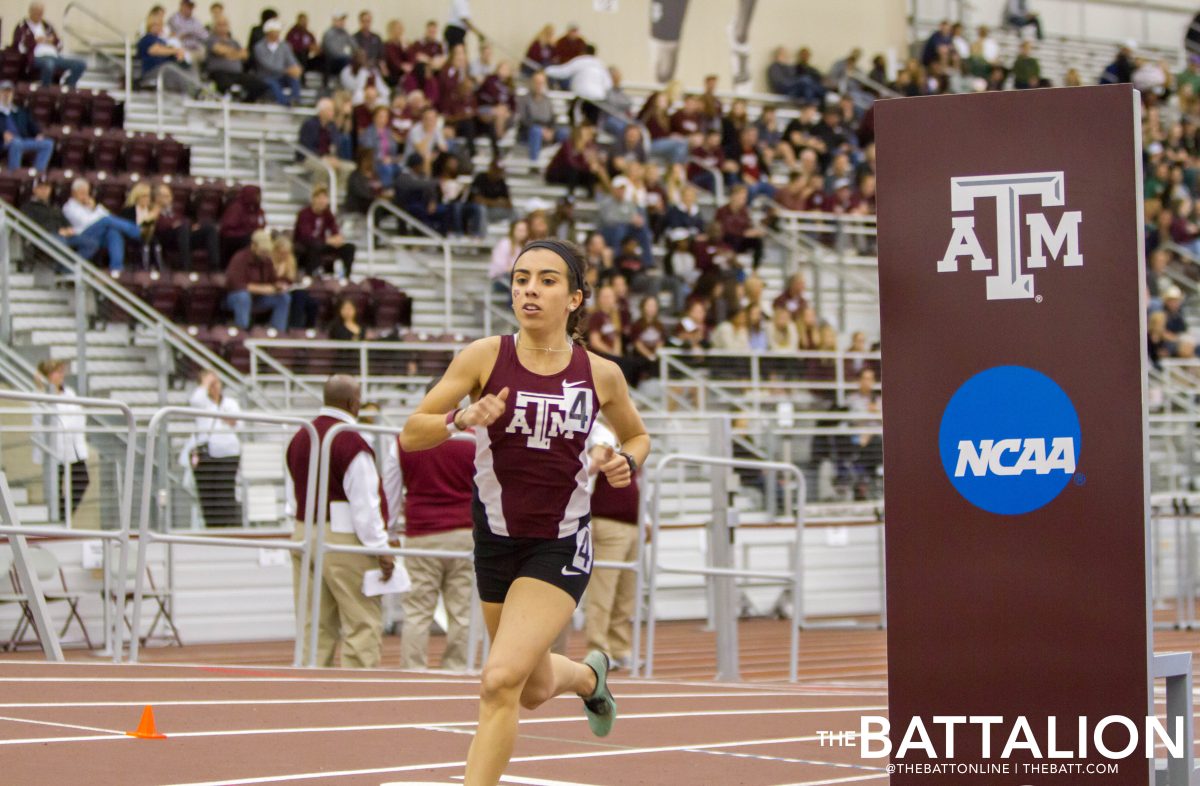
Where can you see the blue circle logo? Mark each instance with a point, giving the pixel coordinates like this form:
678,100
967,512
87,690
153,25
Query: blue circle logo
1009,440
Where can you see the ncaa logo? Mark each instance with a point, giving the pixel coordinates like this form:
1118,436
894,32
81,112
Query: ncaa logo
1009,440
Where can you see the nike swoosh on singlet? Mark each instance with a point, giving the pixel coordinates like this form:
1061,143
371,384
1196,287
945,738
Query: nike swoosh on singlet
572,384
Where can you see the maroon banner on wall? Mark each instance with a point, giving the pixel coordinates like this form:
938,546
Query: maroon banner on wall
1011,279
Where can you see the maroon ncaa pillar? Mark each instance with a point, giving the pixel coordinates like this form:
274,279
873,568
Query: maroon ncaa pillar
1011,277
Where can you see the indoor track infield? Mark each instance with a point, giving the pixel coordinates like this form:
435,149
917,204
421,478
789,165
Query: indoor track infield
66,724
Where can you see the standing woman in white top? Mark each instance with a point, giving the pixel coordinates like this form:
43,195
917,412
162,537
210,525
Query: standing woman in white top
61,428
215,453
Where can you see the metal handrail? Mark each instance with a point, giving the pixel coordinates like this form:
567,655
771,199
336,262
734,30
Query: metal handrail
795,576
141,311
718,179
146,536
123,39
296,148
202,87
125,505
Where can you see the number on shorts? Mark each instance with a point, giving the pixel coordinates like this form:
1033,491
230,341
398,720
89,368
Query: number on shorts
583,550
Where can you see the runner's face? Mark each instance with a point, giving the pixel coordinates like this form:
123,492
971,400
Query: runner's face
543,292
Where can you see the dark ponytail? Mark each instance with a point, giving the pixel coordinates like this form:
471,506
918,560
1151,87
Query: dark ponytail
577,264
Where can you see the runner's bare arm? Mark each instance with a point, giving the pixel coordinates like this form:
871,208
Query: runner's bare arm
618,408
466,376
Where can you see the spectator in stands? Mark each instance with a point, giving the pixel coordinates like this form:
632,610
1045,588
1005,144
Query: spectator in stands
589,80
484,65
49,217
63,427
93,221
867,453
738,228
37,40
465,215
1018,14
490,190
646,335
189,31
368,42
337,47
540,53
691,333
21,133
612,593
379,139
496,102
732,334
437,487
792,298
156,54
577,162
427,141
304,308
1157,346
598,253
1120,70
320,135
242,218
175,232
358,516
364,186
570,46
938,45
504,256
458,23
214,452
623,214
303,43
430,50
253,287
843,69
345,327
398,60
1026,71
684,220
358,75
1152,78
753,170
1177,326
664,144
226,64
216,12
319,243
605,331
618,105
536,118
276,65
782,78
783,335
256,32
141,210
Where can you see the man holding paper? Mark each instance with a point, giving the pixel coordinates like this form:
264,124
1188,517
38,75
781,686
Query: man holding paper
356,517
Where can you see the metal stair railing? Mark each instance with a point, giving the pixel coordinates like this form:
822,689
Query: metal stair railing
141,312
124,41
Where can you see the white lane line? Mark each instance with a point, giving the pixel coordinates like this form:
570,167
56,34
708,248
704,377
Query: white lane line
363,699
61,725
465,724
518,760
831,781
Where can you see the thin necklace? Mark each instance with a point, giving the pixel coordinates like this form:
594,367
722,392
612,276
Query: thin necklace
546,349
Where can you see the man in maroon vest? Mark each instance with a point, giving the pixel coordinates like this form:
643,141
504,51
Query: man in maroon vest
437,486
612,593
356,517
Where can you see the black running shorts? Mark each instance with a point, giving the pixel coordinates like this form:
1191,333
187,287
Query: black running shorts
499,561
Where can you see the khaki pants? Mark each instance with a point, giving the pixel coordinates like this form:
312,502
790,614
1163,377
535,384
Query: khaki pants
611,594
455,580
347,616
341,170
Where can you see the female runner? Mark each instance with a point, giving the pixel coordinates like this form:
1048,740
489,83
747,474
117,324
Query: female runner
535,396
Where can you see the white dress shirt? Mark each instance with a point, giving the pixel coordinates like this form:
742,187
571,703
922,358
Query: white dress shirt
220,437
63,428
460,12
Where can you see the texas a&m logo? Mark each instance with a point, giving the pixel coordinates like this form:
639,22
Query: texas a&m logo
1008,282
544,416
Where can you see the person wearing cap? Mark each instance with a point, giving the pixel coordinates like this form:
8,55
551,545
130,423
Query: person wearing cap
49,217
92,220
21,133
1177,326
276,64
190,31
36,39
155,54
225,64
1018,14
337,46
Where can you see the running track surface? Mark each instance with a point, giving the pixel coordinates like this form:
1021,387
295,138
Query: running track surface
247,719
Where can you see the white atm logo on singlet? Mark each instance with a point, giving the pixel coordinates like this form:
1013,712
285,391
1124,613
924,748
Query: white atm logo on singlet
543,416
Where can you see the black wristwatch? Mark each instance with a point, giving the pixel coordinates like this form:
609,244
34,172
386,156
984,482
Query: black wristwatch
633,465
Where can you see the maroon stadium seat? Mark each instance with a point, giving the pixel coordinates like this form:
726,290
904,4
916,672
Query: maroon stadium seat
12,187
73,108
43,104
106,149
111,191
74,149
106,112
202,296
169,155
163,294
139,153
208,200
12,65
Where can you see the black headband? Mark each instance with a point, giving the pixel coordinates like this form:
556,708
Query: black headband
569,253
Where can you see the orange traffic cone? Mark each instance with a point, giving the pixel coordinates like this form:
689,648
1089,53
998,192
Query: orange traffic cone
145,729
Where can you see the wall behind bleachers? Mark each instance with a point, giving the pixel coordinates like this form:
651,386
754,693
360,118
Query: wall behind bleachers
830,28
